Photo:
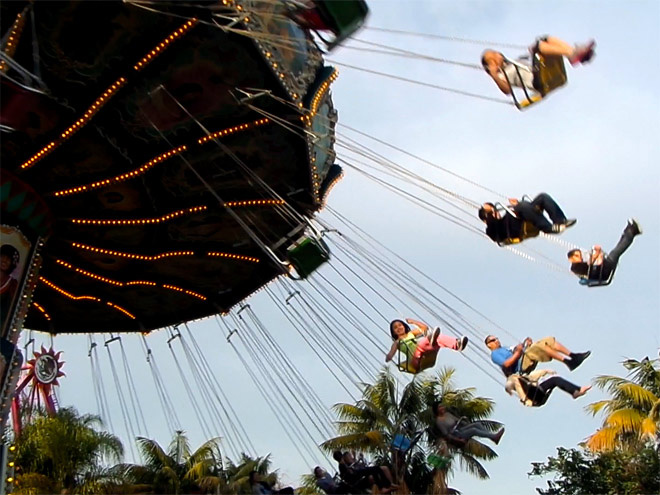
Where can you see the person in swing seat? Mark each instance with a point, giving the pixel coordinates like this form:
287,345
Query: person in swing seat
524,357
500,228
458,430
599,266
534,389
415,342
503,71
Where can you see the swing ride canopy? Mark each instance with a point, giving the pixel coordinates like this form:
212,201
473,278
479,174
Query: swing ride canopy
180,148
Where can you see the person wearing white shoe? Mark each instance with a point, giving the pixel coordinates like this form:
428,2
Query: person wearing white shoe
534,389
599,267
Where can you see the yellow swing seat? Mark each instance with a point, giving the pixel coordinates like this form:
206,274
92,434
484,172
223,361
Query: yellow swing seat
550,74
528,231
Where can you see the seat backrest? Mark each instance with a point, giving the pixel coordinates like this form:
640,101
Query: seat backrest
551,72
529,230
344,17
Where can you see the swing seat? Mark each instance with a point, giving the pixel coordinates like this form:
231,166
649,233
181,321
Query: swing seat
427,361
528,232
343,18
401,442
307,254
598,283
438,462
550,74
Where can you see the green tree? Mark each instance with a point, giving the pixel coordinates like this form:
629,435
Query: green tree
581,472
64,452
632,414
371,424
177,469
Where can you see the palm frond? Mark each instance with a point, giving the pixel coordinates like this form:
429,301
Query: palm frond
472,466
603,440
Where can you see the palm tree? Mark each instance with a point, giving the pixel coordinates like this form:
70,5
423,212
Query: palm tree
372,423
237,474
632,415
177,470
63,452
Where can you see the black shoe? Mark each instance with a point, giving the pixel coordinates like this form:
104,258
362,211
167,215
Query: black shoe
576,359
569,222
434,336
462,343
634,227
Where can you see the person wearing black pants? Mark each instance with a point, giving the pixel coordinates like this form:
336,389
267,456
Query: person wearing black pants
534,392
510,225
601,266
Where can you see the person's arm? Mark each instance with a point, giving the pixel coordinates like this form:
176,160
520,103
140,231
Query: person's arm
422,326
597,255
496,73
517,352
393,349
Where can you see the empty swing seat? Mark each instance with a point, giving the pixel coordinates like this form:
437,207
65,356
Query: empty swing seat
307,254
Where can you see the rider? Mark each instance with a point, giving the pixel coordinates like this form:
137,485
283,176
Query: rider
534,389
502,228
601,266
503,71
406,340
519,360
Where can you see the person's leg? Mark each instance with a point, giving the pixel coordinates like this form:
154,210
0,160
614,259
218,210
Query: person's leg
550,206
475,430
557,381
527,211
554,46
624,243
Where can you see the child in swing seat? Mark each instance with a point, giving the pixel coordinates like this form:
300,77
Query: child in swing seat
406,340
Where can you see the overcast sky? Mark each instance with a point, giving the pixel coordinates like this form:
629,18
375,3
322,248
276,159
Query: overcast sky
593,145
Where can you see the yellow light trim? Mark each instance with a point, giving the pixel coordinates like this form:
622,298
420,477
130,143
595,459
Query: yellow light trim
234,256
255,202
189,292
40,308
124,284
126,176
140,221
117,307
176,34
89,274
232,130
12,41
65,293
87,116
142,257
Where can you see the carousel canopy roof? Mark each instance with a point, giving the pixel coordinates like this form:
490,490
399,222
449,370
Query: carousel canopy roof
174,147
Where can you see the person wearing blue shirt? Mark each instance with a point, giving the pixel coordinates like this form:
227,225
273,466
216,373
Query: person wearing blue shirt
524,357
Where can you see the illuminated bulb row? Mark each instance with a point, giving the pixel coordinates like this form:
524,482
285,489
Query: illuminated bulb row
232,130
123,284
96,106
12,41
107,94
78,298
130,255
89,274
322,90
150,163
39,155
119,308
141,221
331,186
164,44
234,256
255,202
65,293
123,177
40,308
189,292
